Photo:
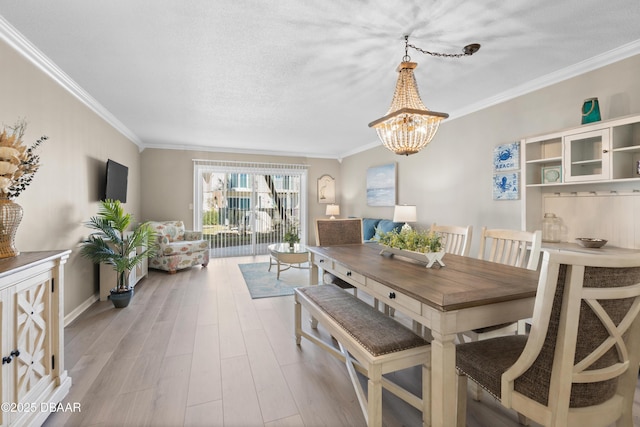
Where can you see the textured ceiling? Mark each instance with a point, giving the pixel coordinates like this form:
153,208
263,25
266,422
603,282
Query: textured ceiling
291,76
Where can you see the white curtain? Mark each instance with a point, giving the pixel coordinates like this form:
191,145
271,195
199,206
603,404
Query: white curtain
243,207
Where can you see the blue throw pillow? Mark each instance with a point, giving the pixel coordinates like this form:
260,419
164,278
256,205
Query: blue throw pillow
369,228
386,225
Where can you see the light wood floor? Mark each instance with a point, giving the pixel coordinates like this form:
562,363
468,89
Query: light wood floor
193,349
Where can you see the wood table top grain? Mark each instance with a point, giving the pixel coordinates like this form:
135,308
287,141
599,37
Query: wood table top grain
464,282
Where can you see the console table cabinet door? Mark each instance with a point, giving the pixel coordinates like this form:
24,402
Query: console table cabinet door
31,365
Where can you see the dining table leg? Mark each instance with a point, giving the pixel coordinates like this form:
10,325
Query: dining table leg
443,380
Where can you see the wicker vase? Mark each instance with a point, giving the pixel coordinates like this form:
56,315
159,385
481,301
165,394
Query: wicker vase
10,217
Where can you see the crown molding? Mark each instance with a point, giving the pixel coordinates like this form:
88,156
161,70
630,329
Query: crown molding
618,54
189,147
24,47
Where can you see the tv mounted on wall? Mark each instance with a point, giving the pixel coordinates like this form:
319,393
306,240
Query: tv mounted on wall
116,188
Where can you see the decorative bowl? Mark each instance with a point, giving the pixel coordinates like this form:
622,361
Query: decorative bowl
589,242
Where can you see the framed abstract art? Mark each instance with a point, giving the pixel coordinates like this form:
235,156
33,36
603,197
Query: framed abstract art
381,185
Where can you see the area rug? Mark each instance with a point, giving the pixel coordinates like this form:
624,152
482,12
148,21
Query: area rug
263,283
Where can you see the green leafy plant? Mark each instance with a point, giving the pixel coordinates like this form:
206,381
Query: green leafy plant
111,245
292,236
412,240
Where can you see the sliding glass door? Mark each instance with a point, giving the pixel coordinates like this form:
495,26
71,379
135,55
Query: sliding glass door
242,207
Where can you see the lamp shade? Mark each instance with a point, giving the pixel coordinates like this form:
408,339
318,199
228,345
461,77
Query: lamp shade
333,210
405,213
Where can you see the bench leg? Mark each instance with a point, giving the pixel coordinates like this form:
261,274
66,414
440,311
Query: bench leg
462,400
426,394
374,397
298,322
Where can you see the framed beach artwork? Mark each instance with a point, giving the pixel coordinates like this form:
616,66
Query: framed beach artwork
381,185
326,189
506,157
505,186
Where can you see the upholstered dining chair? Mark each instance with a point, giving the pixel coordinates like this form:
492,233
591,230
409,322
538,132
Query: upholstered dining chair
579,364
457,239
512,247
331,232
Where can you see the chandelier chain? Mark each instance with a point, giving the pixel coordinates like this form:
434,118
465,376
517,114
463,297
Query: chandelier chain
467,51
439,54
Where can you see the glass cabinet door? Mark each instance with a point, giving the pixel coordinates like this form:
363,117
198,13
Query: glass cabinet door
586,156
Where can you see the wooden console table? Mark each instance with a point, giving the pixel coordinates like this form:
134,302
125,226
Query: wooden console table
466,294
32,346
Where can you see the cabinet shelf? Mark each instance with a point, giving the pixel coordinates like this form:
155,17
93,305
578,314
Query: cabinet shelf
547,160
587,162
630,149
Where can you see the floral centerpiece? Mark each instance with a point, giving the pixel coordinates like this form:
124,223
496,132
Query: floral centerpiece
414,244
18,165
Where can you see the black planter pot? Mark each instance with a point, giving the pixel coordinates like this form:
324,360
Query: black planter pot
121,299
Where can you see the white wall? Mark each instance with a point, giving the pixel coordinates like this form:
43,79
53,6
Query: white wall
450,180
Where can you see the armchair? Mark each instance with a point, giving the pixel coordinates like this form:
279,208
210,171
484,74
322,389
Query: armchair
178,248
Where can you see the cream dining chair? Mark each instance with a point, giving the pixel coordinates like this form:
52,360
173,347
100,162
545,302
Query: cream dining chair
457,239
579,364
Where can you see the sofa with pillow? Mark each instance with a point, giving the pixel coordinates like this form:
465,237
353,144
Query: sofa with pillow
372,226
178,248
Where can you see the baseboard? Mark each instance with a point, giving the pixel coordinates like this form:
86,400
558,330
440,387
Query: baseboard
80,309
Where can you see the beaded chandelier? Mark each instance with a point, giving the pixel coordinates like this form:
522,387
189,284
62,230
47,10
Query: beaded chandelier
409,126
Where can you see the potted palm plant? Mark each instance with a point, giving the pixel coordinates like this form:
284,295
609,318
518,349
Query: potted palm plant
111,245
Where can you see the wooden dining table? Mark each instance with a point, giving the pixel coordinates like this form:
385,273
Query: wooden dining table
467,293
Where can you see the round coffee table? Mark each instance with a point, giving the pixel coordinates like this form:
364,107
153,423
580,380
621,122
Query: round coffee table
286,257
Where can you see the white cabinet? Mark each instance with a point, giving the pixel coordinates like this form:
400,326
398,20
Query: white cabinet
607,151
32,343
586,156
589,176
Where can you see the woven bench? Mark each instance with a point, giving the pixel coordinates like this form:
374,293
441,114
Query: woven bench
369,342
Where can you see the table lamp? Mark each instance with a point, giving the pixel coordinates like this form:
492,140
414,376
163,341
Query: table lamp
333,210
406,214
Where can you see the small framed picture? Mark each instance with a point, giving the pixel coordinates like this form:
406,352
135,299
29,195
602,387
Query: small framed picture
551,174
506,157
506,186
326,189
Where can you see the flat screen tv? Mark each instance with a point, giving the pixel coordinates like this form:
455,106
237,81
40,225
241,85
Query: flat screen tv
116,187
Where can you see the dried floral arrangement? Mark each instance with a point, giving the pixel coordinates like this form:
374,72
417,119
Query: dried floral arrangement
18,163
